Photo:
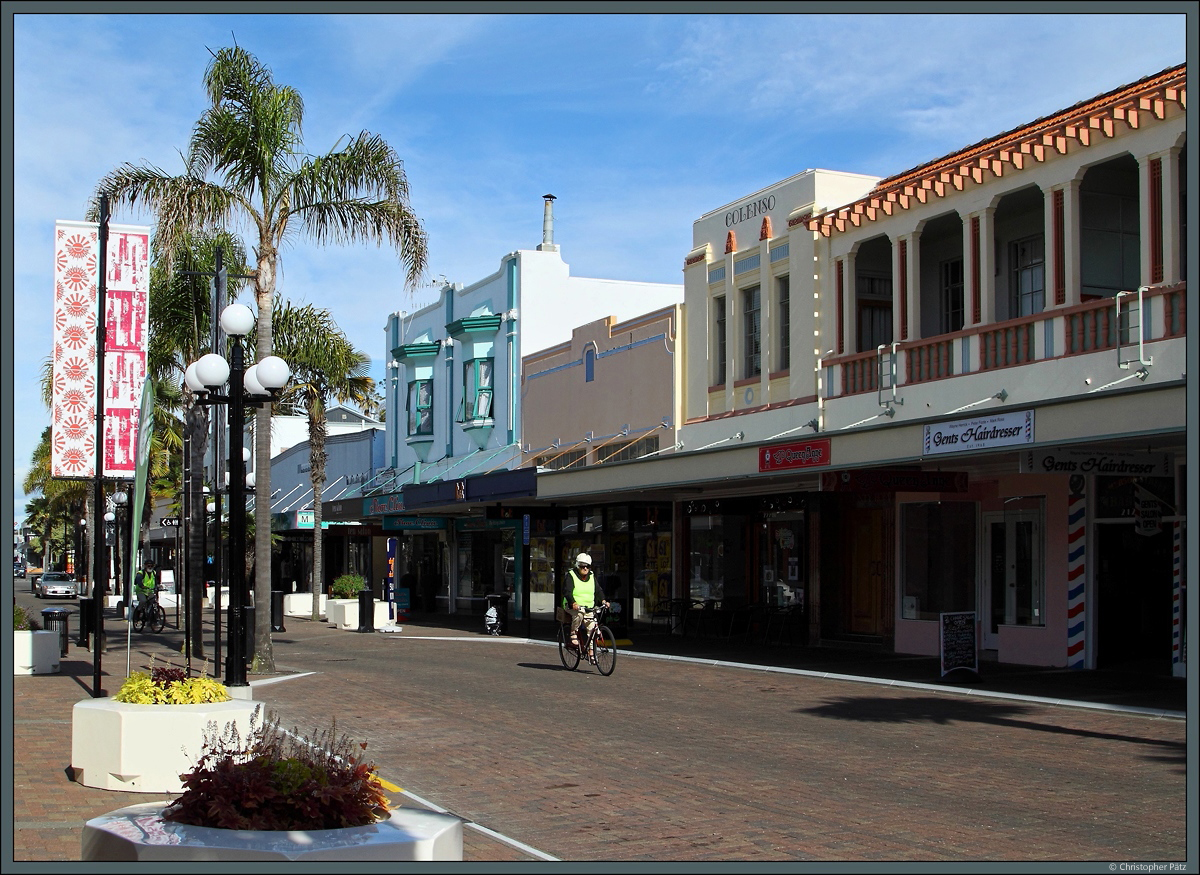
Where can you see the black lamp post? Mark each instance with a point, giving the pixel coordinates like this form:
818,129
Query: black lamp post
253,387
121,501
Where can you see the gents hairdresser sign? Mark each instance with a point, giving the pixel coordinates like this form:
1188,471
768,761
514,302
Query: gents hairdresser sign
1001,430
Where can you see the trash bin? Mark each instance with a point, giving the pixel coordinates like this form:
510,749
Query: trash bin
499,600
86,611
277,611
366,611
56,620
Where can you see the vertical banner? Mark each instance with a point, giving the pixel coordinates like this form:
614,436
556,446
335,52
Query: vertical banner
76,309
391,577
137,501
127,325
127,328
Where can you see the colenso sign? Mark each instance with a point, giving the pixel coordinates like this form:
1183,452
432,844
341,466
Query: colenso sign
798,454
751,210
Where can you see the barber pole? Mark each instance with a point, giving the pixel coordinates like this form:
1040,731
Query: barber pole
1076,555
1178,656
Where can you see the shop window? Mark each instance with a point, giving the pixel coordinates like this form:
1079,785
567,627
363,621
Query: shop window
630,451
752,331
951,273
874,311
938,544
477,388
781,558
420,407
719,341
784,323
1028,276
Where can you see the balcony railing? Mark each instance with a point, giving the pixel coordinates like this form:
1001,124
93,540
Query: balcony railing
1086,328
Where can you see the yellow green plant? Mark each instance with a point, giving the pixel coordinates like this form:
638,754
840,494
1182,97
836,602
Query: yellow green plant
169,686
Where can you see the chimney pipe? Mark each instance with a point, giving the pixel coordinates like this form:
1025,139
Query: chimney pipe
548,226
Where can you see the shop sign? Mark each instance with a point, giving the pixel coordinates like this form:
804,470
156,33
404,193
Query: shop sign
798,454
958,643
894,480
1147,513
306,519
410,523
379,505
987,432
1094,462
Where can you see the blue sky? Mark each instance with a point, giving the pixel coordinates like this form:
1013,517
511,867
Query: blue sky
639,124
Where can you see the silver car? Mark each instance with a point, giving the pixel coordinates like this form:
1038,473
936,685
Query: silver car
57,584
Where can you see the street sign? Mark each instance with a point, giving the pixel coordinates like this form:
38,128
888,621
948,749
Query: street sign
169,521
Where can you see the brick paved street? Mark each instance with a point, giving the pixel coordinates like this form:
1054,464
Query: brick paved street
671,760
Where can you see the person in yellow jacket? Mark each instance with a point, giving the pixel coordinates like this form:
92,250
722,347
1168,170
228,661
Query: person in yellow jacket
581,593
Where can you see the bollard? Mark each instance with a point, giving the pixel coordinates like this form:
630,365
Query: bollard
277,611
366,611
248,623
55,620
85,623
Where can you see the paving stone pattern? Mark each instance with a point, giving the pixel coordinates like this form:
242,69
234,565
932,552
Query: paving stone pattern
669,760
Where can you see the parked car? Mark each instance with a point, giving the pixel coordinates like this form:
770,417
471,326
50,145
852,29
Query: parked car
19,569
57,584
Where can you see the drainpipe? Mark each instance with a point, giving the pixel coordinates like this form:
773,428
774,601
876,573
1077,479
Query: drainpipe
510,317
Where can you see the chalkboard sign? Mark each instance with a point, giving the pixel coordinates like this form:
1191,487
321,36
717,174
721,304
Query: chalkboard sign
958,642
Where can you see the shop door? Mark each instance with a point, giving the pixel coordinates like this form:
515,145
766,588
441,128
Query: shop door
868,549
1133,603
1013,579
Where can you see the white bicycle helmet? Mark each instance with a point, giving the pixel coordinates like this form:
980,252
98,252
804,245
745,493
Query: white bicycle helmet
583,559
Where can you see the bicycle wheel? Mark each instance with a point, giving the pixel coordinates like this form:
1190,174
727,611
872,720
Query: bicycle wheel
158,618
139,619
605,648
569,656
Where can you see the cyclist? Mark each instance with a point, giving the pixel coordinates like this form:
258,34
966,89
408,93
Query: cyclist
145,583
580,594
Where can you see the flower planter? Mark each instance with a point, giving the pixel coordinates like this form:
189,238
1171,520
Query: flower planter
137,833
299,604
36,652
343,613
144,748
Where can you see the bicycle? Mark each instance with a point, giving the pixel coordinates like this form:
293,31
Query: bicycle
594,638
150,614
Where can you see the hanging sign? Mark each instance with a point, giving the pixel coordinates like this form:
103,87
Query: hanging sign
797,454
986,432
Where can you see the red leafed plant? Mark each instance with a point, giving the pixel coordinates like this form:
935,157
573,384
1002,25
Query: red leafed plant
278,780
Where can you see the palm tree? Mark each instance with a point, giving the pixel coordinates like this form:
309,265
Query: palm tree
181,332
324,365
250,140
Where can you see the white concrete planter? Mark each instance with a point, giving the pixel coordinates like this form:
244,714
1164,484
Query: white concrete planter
211,592
36,652
137,833
145,748
343,613
299,604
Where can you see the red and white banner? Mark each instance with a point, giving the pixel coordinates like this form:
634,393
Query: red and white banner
127,321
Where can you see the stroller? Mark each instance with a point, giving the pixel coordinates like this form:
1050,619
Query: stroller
491,620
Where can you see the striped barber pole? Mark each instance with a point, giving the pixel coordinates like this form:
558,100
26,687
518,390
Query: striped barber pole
1076,554
1178,656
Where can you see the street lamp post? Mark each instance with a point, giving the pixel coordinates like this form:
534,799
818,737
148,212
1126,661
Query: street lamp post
120,500
206,377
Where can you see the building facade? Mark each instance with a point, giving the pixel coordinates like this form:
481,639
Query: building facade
456,413
959,390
